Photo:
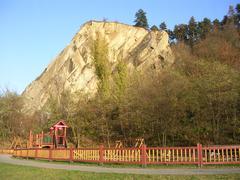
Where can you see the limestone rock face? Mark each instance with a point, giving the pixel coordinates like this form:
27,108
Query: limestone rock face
73,68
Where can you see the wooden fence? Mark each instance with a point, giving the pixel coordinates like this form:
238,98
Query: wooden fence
145,155
6,151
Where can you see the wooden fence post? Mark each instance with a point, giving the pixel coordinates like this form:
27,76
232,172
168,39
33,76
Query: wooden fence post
36,153
50,154
144,155
101,154
199,149
71,154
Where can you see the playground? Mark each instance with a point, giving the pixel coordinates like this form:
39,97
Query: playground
48,155
53,146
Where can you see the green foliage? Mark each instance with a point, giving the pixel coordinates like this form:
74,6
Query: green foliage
121,78
205,27
102,64
192,31
141,19
13,122
10,114
163,26
216,25
154,28
180,32
214,87
237,15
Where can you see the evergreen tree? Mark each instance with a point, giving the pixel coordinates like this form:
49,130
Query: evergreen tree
225,20
204,27
238,8
163,26
237,21
154,28
229,18
216,25
180,32
193,32
141,19
231,15
231,11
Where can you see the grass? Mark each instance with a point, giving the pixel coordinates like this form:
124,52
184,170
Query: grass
14,172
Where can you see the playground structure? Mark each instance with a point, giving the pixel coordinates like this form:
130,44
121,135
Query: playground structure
56,138
17,143
118,144
138,143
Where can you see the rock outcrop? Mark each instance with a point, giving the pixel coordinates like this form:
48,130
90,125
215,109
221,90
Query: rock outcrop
73,68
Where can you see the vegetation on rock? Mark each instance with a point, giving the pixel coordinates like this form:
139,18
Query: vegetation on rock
101,63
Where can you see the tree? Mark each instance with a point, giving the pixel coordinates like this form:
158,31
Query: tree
120,79
171,36
224,21
11,118
237,22
237,8
141,19
230,17
221,46
231,11
163,26
180,32
154,28
192,31
101,63
205,27
216,24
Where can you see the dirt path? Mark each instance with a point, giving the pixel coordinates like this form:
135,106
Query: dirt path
179,171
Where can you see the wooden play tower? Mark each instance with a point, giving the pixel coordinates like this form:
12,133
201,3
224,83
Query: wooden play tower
56,138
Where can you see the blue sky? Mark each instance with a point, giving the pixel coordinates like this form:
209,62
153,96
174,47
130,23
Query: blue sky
33,32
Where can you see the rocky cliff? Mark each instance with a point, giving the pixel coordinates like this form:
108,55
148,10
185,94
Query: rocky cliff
73,68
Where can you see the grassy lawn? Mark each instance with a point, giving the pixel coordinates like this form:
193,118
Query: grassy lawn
10,172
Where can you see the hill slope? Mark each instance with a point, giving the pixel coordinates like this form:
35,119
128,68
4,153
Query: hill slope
73,68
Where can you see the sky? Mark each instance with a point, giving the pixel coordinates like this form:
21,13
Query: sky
33,32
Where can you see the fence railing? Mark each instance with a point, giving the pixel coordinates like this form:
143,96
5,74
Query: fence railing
221,155
6,151
144,155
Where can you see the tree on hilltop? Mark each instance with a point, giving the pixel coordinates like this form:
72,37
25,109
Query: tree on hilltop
141,19
163,26
154,28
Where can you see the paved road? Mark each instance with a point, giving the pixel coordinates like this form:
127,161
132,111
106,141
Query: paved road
179,171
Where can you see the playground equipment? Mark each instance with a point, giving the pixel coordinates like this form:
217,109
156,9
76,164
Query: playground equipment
17,143
118,144
139,142
56,138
